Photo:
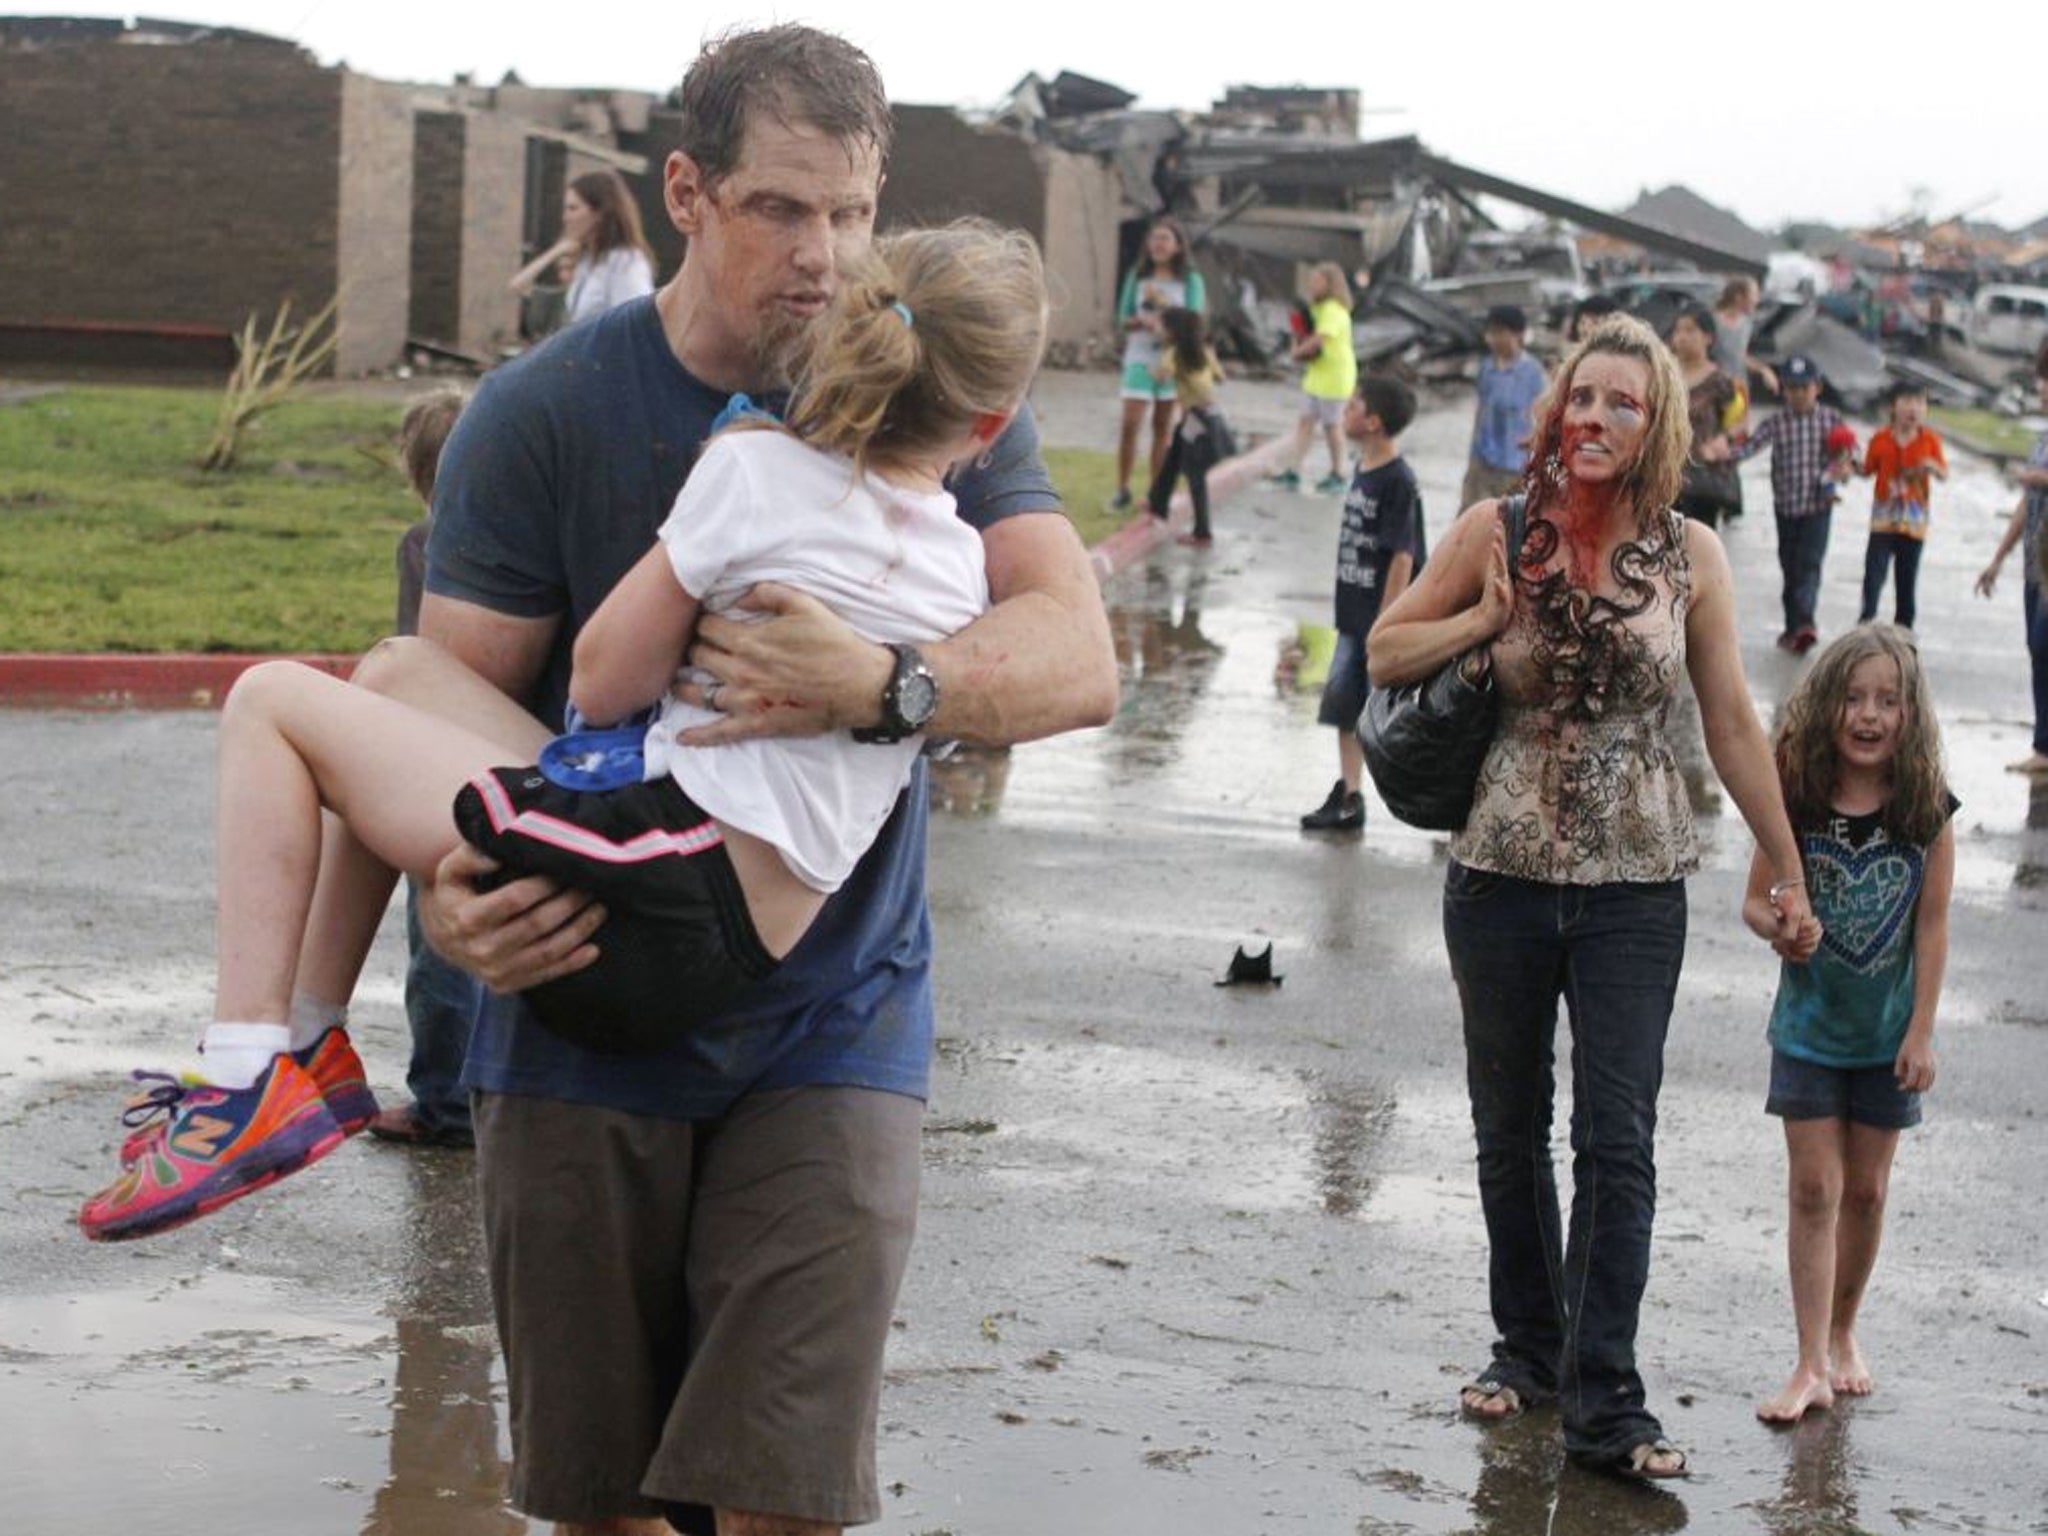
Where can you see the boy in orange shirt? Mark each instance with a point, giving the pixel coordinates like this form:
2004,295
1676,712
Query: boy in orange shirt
1906,458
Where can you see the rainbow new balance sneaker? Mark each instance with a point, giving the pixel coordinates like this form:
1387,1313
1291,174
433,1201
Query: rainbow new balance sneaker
219,1144
331,1059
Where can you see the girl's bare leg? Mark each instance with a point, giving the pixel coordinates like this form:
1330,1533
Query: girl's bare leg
1127,441
1335,439
1816,1152
1866,1180
1162,434
354,880
292,740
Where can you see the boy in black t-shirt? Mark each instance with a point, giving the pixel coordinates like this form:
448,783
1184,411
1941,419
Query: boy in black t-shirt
1380,547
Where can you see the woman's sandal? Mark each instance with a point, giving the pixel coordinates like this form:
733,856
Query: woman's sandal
1491,1389
1639,1462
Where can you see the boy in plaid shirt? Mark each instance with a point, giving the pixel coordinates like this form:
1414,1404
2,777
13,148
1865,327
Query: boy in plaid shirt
1798,439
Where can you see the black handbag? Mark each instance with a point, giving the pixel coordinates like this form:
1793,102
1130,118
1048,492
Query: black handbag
1425,741
1712,488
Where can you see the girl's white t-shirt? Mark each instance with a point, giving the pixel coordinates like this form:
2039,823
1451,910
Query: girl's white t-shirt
621,273
760,506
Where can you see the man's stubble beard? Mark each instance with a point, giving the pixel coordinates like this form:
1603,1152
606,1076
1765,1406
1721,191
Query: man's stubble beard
778,349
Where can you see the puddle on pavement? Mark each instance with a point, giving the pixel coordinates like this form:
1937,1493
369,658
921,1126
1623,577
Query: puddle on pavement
1164,664
224,1401
1181,1123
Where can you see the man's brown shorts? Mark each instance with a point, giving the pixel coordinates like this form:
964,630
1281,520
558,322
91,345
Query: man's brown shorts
694,1313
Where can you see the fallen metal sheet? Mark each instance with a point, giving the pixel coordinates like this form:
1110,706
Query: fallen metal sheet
1380,337
1943,387
1853,367
1444,321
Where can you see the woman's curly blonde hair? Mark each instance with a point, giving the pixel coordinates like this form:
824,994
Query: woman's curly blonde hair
1651,481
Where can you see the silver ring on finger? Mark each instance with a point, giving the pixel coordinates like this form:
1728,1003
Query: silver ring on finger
712,690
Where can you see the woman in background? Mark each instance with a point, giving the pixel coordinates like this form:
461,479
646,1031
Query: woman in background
601,234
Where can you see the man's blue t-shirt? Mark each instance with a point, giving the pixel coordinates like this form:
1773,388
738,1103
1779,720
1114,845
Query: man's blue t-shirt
552,486
1506,396
1382,519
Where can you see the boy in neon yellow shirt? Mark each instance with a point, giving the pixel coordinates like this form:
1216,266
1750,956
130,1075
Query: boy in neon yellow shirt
1329,378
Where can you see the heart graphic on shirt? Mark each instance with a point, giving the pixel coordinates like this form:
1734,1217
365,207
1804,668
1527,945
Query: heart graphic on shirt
1867,894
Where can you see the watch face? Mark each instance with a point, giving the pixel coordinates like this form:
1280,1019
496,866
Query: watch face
916,697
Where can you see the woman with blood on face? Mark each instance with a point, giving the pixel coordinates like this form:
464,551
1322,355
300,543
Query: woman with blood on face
1567,882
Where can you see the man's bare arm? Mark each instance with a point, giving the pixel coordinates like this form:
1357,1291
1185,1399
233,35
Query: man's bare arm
1040,661
507,651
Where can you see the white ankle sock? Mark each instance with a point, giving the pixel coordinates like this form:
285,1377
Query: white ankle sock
310,1018
237,1054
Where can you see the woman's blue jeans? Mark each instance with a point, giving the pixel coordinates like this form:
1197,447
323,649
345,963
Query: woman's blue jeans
1565,1301
2035,606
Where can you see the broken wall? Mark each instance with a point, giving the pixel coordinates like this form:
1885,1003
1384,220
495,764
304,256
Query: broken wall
493,218
139,191
468,219
373,245
943,167
439,143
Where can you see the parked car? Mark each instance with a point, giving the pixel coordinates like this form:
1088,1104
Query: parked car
1535,268
2007,320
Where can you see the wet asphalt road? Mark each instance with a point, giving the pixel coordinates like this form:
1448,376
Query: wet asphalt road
1192,1260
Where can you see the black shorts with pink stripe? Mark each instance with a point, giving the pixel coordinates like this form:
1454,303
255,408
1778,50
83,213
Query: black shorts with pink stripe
677,944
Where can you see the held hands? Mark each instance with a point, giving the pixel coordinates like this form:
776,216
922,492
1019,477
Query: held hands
801,671
1793,931
1915,1067
515,936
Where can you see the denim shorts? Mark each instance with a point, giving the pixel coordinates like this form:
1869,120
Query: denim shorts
1138,383
1807,1090
1344,693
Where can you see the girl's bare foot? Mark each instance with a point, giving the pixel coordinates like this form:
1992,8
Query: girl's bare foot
2033,763
1850,1374
1805,1391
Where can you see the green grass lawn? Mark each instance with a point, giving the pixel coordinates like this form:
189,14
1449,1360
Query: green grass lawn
115,541
111,539
1984,429
1085,479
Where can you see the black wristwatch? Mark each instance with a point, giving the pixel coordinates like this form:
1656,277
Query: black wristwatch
909,700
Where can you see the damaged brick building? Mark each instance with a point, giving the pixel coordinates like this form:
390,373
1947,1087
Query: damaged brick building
166,180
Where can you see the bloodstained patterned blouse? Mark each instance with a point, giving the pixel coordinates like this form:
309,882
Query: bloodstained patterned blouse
1581,786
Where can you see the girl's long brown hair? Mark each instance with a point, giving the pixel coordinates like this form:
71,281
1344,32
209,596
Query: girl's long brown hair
1918,806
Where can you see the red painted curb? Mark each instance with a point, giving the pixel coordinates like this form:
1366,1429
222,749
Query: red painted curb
1143,532
178,681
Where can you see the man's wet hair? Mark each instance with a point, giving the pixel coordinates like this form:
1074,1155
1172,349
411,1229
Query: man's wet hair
1390,400
795,75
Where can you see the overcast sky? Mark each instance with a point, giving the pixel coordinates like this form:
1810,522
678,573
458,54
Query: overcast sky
1778,110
